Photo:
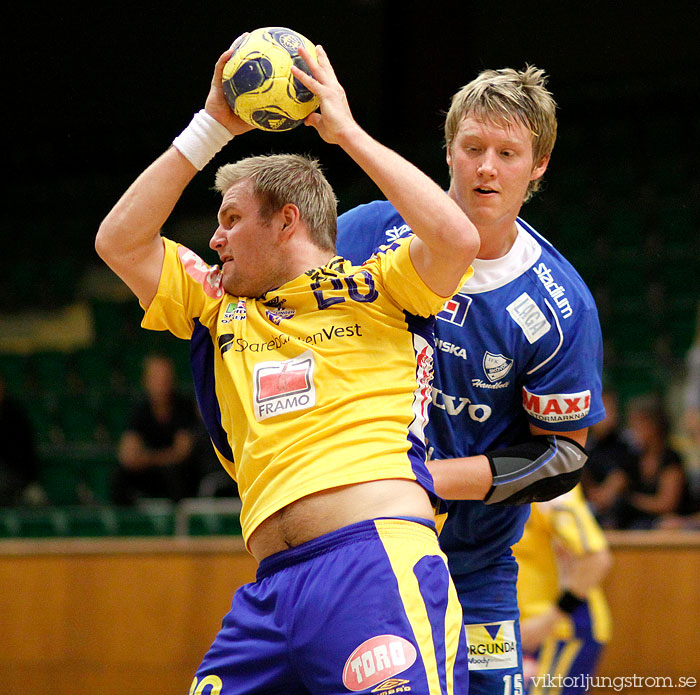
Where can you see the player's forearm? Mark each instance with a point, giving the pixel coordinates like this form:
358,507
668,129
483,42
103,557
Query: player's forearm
668,496
467,478
143,209
611,489
654,504
433,216
129,237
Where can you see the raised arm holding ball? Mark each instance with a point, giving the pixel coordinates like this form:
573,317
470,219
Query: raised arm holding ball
324,439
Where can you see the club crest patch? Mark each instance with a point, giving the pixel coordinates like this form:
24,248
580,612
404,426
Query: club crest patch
277,312
496,366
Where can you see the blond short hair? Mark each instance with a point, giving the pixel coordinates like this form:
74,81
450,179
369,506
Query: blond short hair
509,96
279,179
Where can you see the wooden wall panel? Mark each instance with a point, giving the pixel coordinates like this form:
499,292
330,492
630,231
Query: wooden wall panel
131,616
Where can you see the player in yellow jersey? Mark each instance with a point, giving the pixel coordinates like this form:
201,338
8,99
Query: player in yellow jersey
562,559
313,377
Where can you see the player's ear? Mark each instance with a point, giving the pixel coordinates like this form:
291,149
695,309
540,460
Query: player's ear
290,219
539,169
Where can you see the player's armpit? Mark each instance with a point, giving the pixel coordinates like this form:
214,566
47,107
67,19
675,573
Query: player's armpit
538,470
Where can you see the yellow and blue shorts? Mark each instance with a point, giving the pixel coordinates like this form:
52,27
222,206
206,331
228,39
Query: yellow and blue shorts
369,608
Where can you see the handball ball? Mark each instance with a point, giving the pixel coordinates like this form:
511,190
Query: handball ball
259,85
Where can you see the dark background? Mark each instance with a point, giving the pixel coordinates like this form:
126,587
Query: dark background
94,93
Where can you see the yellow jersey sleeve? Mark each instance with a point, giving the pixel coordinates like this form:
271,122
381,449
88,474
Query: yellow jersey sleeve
188,289
403,283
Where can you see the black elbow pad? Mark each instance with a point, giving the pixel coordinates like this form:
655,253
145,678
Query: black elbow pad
538,470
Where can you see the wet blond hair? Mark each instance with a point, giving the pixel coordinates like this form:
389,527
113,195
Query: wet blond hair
279,179
509,96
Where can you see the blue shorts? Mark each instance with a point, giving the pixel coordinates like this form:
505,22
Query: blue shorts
489,600
367,608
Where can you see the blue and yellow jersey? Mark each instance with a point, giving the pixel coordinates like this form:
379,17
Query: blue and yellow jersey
321,383
567,523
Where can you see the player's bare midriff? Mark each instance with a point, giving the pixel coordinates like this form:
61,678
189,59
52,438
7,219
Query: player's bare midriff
329,510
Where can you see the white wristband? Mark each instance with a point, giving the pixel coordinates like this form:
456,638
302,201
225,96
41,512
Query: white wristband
202,139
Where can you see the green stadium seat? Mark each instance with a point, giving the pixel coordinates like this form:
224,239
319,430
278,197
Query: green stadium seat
10,526
151,518
97,472
78,419
91,521
60,477
208,516
214,525
50,522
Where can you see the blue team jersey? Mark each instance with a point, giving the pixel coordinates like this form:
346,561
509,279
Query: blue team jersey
519,344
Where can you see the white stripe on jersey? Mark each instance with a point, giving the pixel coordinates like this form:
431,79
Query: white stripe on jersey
561,339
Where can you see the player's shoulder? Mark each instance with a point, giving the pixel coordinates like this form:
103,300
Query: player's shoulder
379,217
555,277
365,228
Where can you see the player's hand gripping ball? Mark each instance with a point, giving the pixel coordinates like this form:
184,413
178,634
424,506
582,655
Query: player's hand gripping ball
259,85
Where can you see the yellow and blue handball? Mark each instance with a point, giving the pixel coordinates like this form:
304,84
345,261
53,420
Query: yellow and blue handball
258,82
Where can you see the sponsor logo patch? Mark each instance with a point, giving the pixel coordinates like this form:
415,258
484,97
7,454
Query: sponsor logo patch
451,348
234,312
277,312
455,309
496,366
525,312
557,407
492,646
454,405
556,291
391,686
397,232
283,387
376,660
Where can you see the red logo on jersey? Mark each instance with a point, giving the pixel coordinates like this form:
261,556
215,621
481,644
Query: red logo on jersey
557,407
283,379
455,309
377,659
283,387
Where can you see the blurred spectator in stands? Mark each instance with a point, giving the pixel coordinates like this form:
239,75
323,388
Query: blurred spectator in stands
688,438
609,457
692,385
157,450
565,621
656,483
19,464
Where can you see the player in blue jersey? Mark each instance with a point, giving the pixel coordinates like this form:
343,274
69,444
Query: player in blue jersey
518,358
326,443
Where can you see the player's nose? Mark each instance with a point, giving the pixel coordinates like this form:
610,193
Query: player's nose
487,166
217,239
